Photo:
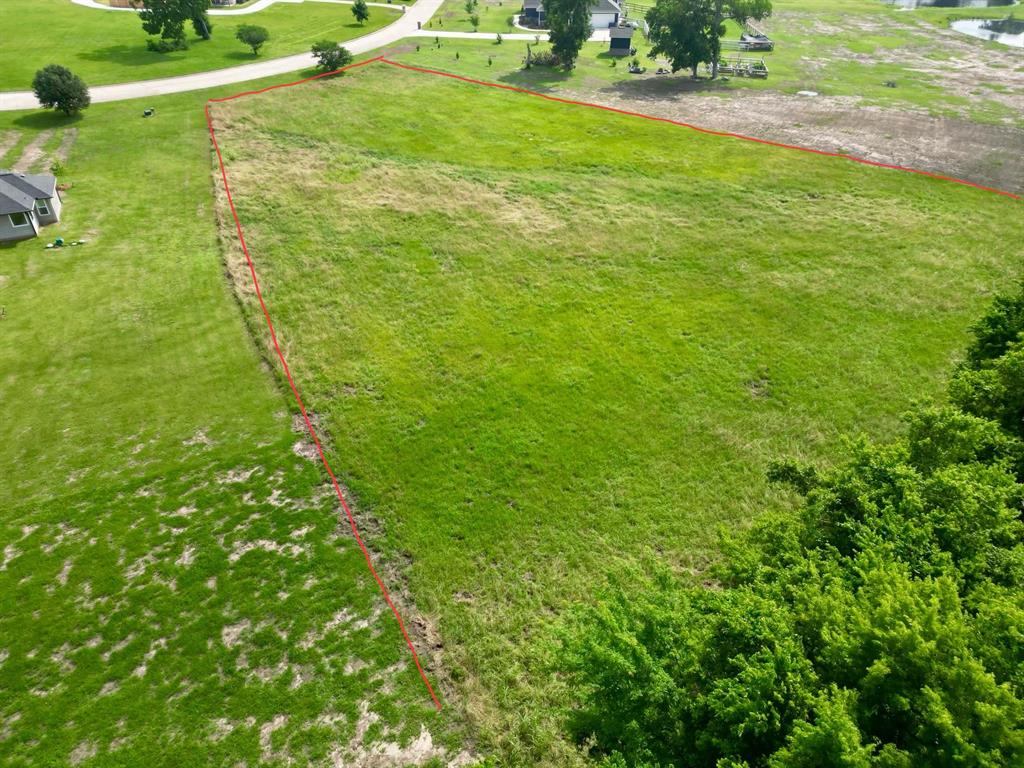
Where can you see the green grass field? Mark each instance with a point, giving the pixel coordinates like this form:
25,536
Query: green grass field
175,586
550,342
495,16
844,48
546,344
110,46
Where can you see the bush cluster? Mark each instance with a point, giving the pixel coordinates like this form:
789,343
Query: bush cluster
879,625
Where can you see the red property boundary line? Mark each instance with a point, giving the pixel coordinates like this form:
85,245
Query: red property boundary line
514,89
708,131
291,380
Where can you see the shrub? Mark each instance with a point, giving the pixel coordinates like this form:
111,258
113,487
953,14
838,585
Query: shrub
330,55
544,59
253,36
167,45
59,88
876,625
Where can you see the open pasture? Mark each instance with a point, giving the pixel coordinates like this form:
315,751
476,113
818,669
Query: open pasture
549,342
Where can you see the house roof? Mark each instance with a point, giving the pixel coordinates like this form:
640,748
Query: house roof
19,191
600,6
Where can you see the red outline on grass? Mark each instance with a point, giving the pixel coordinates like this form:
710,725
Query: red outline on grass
288,373
697,128
514,89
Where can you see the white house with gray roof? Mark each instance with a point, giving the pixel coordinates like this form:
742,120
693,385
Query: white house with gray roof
603,14
27,202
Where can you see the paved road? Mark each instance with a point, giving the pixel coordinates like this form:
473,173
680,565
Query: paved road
404,26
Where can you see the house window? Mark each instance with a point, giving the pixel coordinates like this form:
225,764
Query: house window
18,219
42,207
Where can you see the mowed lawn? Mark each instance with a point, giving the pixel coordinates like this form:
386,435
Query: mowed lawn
551,342
844,48
175,585
110,46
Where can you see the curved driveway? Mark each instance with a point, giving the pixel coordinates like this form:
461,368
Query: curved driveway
405,26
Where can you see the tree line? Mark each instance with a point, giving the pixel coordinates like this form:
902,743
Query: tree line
167,20
879,625
686,32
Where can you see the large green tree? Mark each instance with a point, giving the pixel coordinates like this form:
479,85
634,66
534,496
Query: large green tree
739,11
568,28
167,19
681,32
252,35
689,32
879,625
330,55
990,382
361,11
59,88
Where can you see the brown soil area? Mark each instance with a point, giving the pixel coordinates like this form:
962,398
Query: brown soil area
986,154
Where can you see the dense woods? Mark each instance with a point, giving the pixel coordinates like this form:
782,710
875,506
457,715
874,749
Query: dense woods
879,624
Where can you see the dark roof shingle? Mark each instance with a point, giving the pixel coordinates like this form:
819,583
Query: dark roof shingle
19,191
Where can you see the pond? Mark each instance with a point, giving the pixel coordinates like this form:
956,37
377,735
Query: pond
1006,31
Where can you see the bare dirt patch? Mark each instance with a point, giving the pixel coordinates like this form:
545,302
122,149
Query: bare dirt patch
33,152
266,733
7,140
199,438
67,141
230,634
84,751
265,545
389,754
952,61
987,154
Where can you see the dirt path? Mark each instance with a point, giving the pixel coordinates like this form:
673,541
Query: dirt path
7,140
987,154
67,141
33,152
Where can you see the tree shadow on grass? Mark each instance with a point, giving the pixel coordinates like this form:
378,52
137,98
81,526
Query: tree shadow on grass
45,119
662,87
131,55
536,78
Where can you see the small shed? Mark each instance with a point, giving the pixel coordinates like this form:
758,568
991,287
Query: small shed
620,40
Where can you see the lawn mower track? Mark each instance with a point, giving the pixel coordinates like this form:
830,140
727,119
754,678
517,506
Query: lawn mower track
306,419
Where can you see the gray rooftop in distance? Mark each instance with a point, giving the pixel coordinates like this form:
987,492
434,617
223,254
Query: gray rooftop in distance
19,191
601,6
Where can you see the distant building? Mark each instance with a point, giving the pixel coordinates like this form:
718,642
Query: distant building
27,202
604,14
533,14
620,40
